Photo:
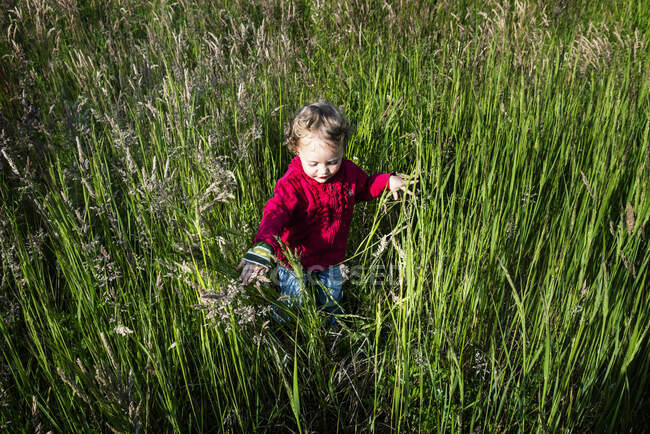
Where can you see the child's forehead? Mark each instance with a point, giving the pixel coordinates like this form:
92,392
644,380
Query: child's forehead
315,145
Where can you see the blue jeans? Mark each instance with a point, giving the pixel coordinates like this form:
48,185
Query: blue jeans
328,295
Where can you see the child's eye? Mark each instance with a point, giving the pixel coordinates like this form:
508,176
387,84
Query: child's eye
333,163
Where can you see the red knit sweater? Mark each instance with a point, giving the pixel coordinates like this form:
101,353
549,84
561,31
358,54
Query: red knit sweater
313,219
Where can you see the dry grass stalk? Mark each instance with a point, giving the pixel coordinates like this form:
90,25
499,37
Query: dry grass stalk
83,162
586,182
10,161
36,422
109,351
629,266
591,49
629,218
72,385
82,367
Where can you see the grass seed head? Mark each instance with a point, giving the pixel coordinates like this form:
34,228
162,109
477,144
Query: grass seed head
629,218
122,330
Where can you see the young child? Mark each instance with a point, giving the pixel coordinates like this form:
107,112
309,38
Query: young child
311,209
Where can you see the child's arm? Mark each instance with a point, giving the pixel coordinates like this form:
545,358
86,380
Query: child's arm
370,187
277,213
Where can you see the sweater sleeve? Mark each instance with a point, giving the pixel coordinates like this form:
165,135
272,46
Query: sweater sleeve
369,187
277,214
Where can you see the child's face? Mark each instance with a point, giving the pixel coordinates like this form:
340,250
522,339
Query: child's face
320,159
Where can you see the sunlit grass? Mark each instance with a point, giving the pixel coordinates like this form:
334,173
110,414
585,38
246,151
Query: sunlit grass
139,145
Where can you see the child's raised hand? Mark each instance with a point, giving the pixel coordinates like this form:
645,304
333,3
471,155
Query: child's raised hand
251,271
400,181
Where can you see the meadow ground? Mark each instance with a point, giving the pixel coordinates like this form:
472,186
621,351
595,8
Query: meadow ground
139,142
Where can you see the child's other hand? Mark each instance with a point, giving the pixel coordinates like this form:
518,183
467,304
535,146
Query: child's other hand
400,181
251,272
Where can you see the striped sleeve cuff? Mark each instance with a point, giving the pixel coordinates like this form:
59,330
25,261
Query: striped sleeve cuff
260,254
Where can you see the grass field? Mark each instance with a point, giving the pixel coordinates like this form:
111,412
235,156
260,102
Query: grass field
139,142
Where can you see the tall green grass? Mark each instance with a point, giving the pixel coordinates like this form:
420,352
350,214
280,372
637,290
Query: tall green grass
140,141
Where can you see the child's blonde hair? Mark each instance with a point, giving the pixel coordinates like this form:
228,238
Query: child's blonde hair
320,118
